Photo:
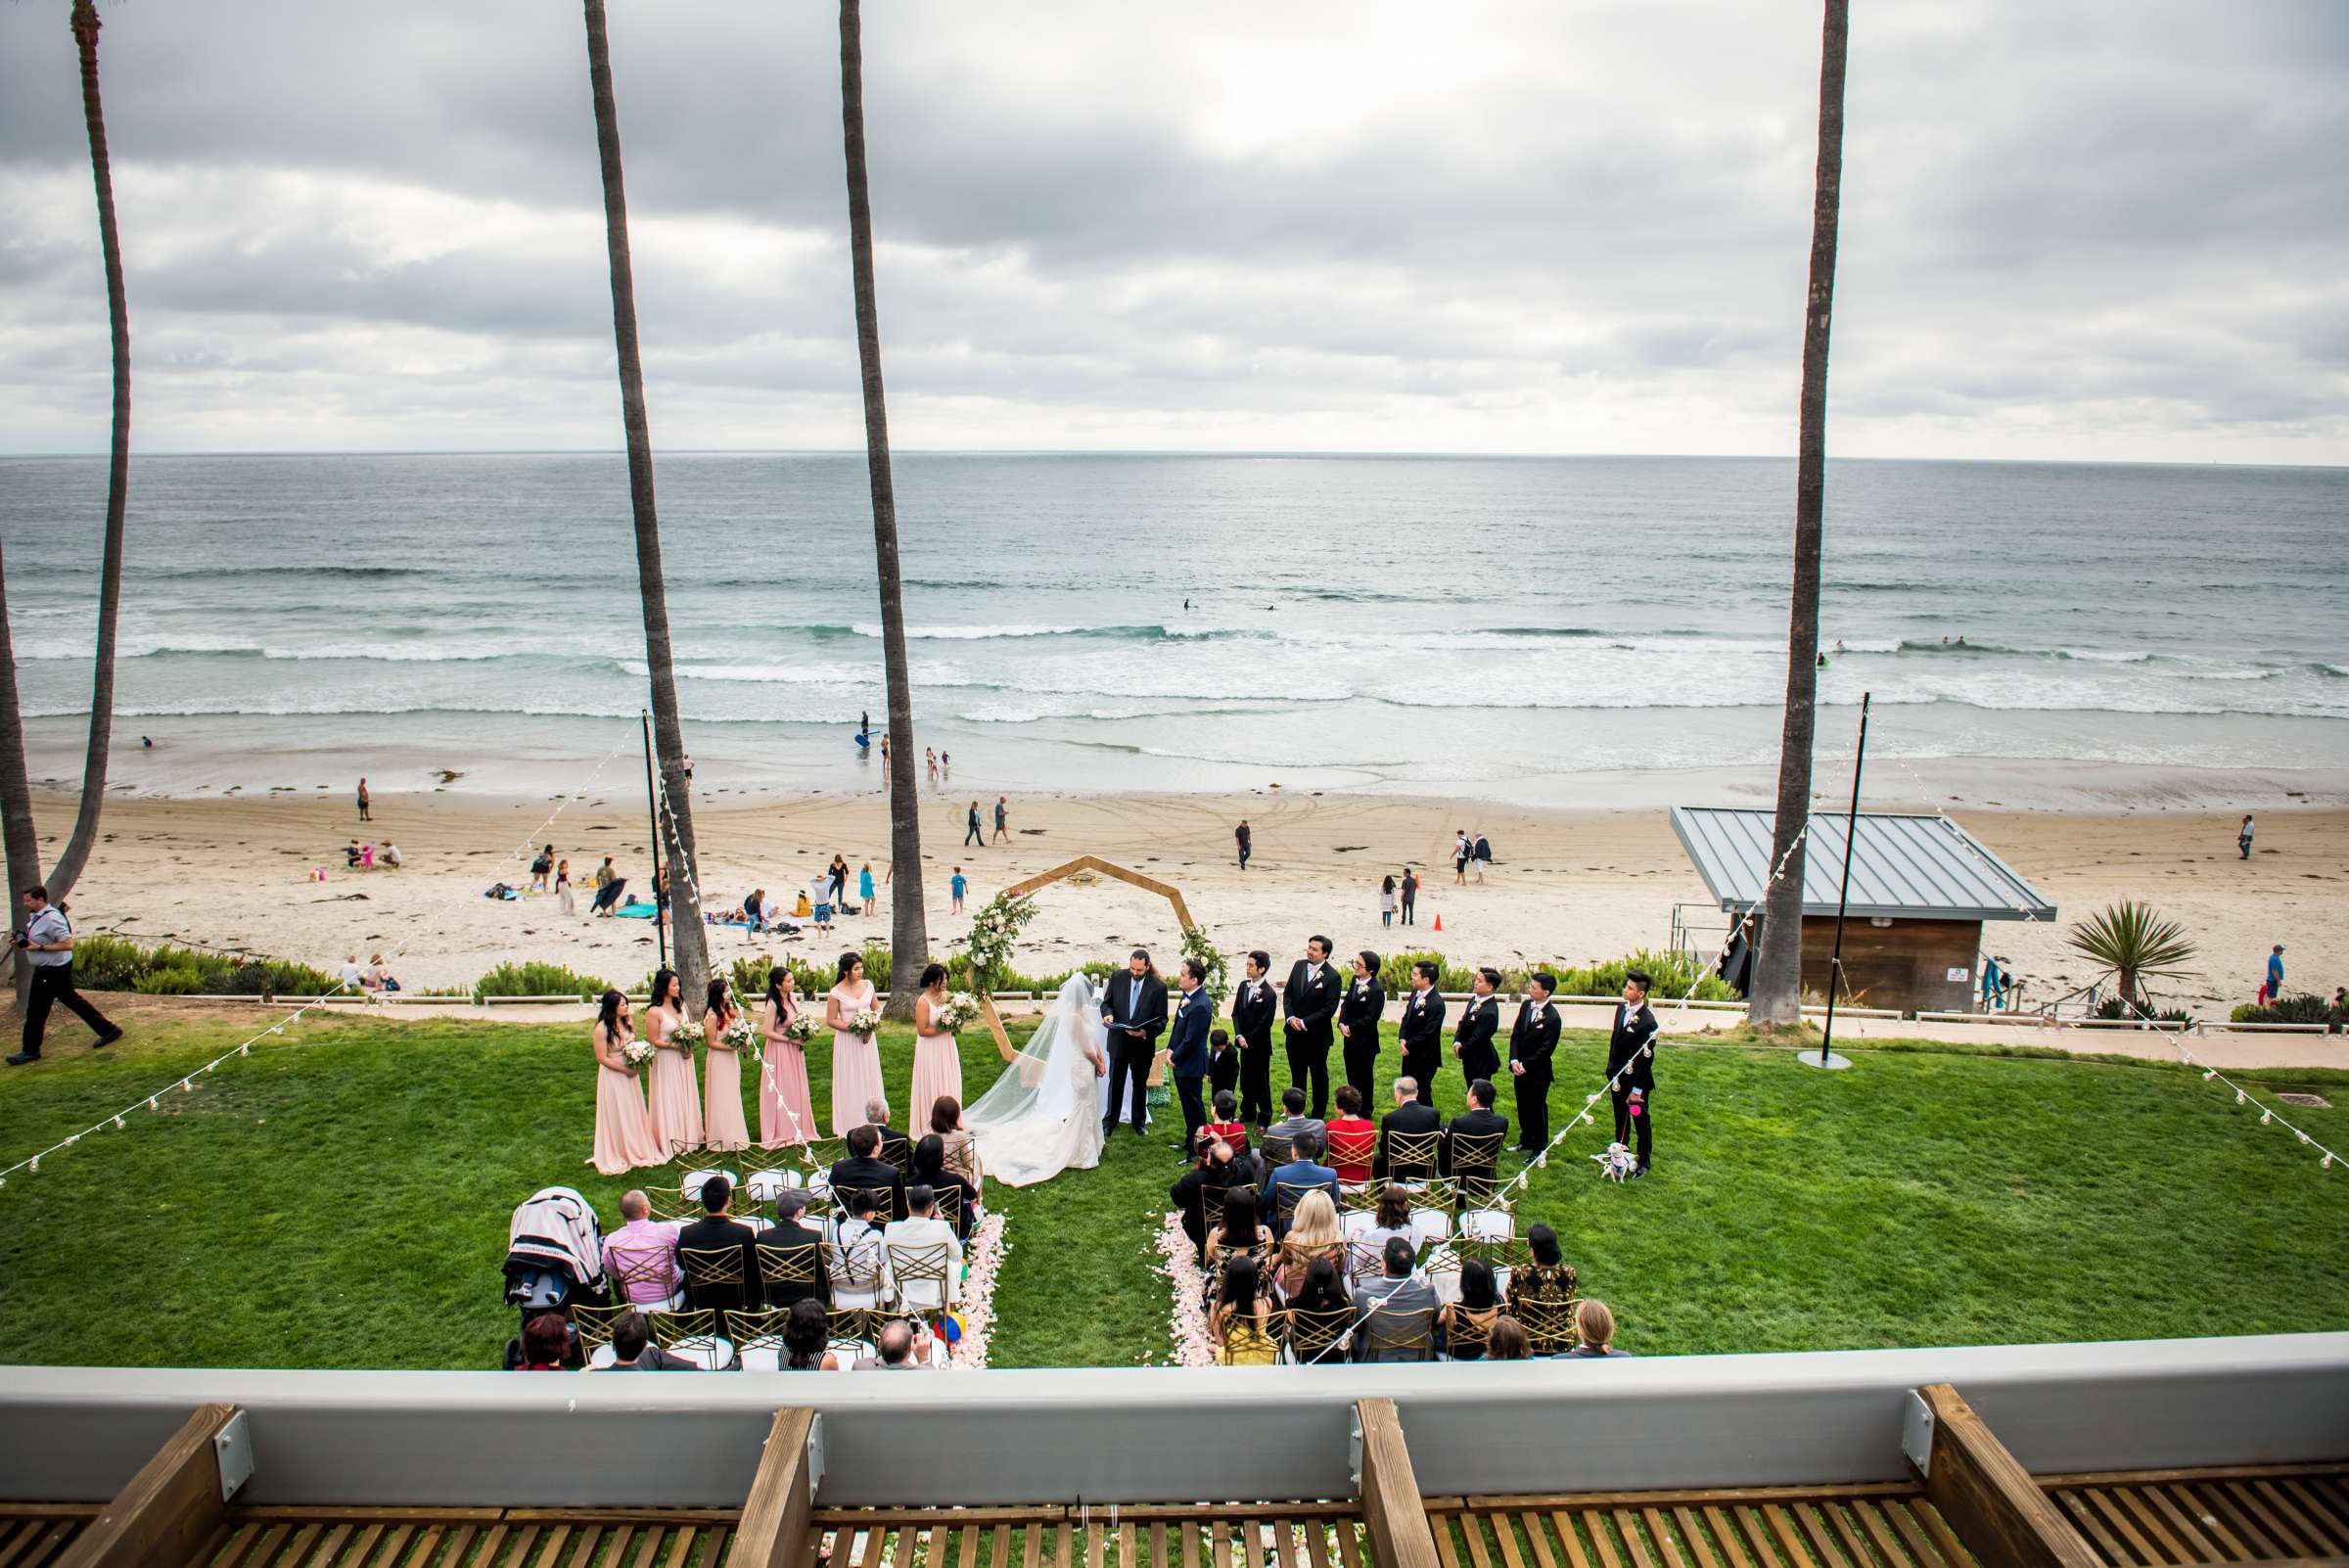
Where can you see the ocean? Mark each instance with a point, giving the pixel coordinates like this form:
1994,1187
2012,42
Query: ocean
1134,622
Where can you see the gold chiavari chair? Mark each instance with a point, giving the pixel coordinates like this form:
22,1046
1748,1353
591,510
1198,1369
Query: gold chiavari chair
897,1150
885,1202
1431,1203
1399,1334
1286,1195
849,1330
1412,1155
859,1269
787,1274
759,1338
1548,1323
635,1276
925,1276
1361,1198
716,1278
1311,1336
594,1325
694,1336
1466,1338
667,1205
949,1206
1476,1165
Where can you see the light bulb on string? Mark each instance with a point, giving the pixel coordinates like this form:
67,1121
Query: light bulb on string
2209,1073
2264,1116
2238,1097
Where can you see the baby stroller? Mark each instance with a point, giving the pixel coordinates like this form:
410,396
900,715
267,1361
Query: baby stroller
554,1262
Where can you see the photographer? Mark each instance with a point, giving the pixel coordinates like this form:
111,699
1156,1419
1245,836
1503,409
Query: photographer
47,943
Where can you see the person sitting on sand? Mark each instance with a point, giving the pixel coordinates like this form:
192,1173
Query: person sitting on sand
379,975
353,977
351,855
390,856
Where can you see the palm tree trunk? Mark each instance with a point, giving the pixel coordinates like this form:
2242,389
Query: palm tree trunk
909,931
76,853
1778,965
669,739
22,844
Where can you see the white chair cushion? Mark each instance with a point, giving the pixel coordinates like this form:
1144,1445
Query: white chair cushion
604,1356
1487,1224
761,1359
1430,1225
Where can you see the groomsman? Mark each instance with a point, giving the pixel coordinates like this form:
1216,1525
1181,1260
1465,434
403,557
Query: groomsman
1253,1007
1187,1048
1420,1032
1630,1047
1359,1017
1310,1002
1532,1042
1480,1023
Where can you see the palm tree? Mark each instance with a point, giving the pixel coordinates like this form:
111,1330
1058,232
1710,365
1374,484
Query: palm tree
1777,968
909,931
16,791
2132,943
669,739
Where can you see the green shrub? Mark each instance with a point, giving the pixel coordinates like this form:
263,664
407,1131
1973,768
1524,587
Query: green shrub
2301,1009
537,979
1674,974
115,963
184,980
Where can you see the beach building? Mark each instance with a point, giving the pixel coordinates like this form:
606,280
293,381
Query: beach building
1922,888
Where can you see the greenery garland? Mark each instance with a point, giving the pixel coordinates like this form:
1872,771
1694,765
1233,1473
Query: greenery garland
1195,944
994,931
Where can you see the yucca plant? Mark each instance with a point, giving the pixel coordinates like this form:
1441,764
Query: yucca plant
2134,943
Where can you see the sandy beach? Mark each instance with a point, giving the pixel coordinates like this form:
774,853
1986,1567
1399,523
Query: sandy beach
1571,885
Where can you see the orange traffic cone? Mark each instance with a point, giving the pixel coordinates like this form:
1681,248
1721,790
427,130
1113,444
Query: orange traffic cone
1438,920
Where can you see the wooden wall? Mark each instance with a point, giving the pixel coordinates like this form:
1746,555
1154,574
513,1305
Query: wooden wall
1906,964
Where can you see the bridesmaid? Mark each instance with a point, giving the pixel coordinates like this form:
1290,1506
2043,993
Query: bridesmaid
855,1058
786,1109
624,1133
937,1064
721,1073
676,1105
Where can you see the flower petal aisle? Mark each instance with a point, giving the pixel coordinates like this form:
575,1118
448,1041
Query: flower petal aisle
982,1260
1193,1345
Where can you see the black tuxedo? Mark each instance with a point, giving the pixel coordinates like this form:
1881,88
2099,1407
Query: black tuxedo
1311,1002
715,1233
1420,1032
1358,1014
1409,1117
1252,1008
880,1174
1131,1053
1634,1029
1474,1124
781,1236
1533,1041
1472,1042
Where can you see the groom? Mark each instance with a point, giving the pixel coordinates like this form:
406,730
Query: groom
1187,1048
1132,1013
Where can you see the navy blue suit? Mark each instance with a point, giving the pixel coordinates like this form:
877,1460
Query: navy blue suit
1296,1174
1187,1058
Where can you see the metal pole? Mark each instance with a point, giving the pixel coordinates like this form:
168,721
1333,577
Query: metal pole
652,804
1843,897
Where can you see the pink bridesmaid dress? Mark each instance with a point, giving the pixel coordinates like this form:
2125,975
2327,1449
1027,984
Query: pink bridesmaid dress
623,1130
721,1089
855,1065
675,1103
936,1071
786,1109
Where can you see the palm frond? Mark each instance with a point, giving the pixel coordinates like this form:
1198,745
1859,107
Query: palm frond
2134,941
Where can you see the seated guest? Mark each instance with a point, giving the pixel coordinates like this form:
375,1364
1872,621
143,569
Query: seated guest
1487,1127
641,1256
1199,1191
716,1231
858,1262
1594,1326
1303,1171
1227,1125
962,1155
1352,1138
1278,1136
545,1341
1410,1115
1399,1291
903,1348
786,1233
862,1170
930,1170
1313,1235
1222,1065
1239,1232
895,1148
1546,1282
807,1340
1468,1321
633,1349
1323,1292
922,1227
1242,1318
1505,1341
1367,1236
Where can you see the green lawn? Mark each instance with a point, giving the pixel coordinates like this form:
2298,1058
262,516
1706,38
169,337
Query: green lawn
340,1198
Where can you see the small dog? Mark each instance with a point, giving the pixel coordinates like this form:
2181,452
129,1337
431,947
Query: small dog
1617,1164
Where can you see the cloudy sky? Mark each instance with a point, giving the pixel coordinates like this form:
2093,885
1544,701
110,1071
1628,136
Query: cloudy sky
2107,229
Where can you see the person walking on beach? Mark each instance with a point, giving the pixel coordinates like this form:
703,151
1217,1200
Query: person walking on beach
2242,838
48,943
1461,851
1247,842
1003,819
2272,991
542,867
959,884
970,833
1410,896
1385,901
864,889
837,871
930,761
364,816
563,892
1483,852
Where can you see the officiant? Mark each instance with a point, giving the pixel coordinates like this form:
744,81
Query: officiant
1133,1013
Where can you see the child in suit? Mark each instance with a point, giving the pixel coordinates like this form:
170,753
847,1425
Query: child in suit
1223,1063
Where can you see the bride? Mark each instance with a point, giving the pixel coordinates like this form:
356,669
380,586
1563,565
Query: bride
1042,1118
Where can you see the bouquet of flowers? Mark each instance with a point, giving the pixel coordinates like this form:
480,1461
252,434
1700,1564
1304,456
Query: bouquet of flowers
686,1036
801,1030
636,1050
741,1035
864,1020
959,1014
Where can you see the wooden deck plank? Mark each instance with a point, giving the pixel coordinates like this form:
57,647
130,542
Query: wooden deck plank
1879,1533
2193,1522
58,1536
2320,1542
1755,1532
2073,1503
1472,1531
1627,1526
1504,1535
998,1554
1660,1531
1731,1547
26,1537
1902,1512
2254,1513
876,1542
2152,1527
2116,1520
1602,1546
1836,1520
1158,1546
1033,1543
1350,1543
907,1534
2327,1504
681,1549
1692,1534
1096,1543
1783,1533
1953,1550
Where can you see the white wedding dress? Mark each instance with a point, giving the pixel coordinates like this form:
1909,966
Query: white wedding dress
1043,1115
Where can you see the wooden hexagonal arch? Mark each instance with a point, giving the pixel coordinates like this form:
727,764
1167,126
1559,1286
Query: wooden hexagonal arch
1062,873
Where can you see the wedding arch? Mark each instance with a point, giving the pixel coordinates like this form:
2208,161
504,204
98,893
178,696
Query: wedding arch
1193,934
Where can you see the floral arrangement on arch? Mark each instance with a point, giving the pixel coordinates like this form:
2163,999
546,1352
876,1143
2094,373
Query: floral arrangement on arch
1195,944
994,931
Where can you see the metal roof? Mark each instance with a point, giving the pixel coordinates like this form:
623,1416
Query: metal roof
1912,867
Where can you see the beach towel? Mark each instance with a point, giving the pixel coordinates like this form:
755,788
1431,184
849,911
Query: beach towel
498,890
637,910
